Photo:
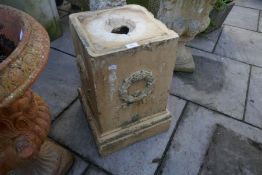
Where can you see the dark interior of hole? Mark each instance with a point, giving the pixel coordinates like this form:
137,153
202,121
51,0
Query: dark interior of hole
6,47
11,25
120,30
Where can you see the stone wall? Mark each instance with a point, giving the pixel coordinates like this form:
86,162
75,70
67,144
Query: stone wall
151,5
86,5
102,4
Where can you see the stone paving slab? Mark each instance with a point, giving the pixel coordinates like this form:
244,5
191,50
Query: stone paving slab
260,23
217,83
94,171
256,4
254,102
240,44
243,17
206,42
192,138
79,167
141,158
230,153
59,82
64,43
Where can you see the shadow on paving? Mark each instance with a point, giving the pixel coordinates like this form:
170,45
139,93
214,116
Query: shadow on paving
230,153
208,77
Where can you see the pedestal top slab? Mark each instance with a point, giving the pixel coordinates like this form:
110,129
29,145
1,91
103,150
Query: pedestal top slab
117,29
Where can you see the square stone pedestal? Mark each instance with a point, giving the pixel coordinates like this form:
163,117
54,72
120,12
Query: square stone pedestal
126,60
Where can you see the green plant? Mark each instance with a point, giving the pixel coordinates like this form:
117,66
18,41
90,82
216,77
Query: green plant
221,4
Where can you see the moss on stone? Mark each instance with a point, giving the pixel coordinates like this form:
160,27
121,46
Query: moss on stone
54,29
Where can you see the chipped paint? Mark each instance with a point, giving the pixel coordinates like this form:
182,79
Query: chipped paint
112,79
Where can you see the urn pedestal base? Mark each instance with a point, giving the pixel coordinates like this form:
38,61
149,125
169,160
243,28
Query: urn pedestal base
125,72
113,141
184,62
24,127
188,18
51,160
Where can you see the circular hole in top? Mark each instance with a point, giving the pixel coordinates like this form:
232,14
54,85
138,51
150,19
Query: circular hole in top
121,30
120,26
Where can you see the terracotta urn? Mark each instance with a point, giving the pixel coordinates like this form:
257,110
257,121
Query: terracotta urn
187,18
24,116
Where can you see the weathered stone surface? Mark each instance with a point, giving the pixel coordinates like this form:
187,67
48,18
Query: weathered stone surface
240,44
187,18
79,167
260,24
126,73
140,159
102,4
85,5
65,42
151,5
256,4
254,102
192,138
230,153
243,17
51,159
43,11
59,82
218,83
94,171
184,62
205,42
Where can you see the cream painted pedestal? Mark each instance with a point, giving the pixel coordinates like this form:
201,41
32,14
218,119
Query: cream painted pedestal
126,60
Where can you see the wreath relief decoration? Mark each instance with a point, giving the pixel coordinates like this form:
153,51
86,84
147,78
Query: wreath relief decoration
147,76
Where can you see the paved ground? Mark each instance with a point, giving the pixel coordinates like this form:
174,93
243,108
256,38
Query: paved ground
225,90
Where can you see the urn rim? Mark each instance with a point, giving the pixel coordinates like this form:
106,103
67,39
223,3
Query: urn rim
24,64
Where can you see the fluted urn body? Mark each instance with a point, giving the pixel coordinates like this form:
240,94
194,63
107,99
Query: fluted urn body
24,116
187,18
